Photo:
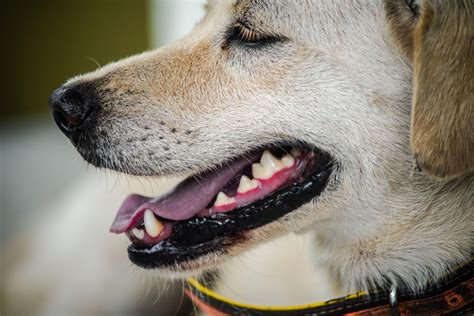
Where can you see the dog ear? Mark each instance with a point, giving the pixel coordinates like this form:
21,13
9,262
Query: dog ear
439,40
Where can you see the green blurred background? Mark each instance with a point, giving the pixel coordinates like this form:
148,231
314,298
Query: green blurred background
49,41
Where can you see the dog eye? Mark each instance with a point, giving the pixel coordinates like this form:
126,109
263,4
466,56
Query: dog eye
414,6
240,34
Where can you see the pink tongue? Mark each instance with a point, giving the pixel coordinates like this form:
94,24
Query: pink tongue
186,200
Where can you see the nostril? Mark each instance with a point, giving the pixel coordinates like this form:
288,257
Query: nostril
72,106
62,122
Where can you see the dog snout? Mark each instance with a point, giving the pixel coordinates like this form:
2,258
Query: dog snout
74,107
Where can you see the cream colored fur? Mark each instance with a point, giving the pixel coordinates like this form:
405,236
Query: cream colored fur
338,83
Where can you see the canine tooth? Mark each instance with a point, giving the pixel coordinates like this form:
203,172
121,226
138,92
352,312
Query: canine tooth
270,162
153,226
247,185
222,199
295,152
139,233
288,161
261,172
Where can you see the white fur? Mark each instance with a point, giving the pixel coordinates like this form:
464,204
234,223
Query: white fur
338,83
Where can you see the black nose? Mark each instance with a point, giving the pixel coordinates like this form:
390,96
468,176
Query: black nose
73,107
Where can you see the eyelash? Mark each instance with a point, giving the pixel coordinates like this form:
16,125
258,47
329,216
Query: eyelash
242,35
414,7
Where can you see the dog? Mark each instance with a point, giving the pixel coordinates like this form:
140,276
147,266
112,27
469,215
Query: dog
286,118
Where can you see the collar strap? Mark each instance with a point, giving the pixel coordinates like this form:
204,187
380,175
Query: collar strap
454,296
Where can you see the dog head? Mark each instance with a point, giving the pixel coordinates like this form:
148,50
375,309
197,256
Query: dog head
318,81
437,37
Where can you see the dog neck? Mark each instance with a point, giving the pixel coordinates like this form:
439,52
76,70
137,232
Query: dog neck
429,232
426,229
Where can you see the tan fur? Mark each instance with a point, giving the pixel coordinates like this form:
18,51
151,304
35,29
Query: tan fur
338,82
440,46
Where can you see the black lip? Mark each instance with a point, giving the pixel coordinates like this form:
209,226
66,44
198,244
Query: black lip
199,236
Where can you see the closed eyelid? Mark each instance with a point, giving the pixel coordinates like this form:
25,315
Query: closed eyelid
244,36
259,30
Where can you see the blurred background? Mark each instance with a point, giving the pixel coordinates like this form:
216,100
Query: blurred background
49,264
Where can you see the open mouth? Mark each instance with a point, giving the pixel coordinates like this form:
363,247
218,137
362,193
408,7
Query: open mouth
208,212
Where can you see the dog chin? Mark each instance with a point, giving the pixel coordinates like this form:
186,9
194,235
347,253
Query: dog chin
214,259
198,266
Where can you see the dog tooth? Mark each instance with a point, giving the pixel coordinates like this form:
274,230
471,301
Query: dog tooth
222,199
255,183
271,162
153,226
261,172
139,233
247,185
288,161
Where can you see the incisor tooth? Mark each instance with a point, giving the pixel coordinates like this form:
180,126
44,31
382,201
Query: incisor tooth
247,185
222,199
153,226
288,161
261,172
139,233
270,162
